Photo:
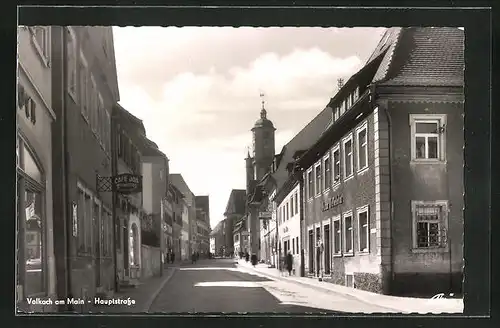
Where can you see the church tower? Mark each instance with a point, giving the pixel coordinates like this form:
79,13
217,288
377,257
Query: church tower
263,143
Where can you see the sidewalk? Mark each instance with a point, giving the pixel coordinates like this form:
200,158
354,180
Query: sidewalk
400,304
144,294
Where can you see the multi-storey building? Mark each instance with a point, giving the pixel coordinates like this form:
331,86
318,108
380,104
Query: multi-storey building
178,181
203,223
185,243
384,183
128,208
83,95
36,265
176,207
233,224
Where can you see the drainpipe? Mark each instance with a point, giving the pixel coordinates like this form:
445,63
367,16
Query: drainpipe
389,130
64,168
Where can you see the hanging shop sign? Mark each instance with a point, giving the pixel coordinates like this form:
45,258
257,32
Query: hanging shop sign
125,183
332,202
265,215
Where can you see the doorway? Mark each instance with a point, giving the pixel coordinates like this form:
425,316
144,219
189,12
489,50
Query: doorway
327,248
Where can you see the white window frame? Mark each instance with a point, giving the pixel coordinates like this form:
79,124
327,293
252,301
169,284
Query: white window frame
441,144
361,210
344,141
361,128
336,114
344,235
356,94
310,177
336,182
297,202
84,84
327,182
43,50
443,225
317,188
338,219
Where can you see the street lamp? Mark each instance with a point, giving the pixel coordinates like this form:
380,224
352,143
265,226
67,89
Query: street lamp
320,248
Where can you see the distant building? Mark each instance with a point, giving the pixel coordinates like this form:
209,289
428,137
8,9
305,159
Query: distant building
234,215
203,223
217,237
178,181
175,207
257,167
384,183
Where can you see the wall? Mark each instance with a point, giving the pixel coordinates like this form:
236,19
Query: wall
357,191
441,181
150,261
289,229
36,79
147,187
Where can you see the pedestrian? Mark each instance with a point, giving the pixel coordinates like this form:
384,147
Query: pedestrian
172,257
193,258
289,263
168,257
247,257
254,260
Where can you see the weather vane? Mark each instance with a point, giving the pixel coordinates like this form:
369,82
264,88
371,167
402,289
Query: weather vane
262,99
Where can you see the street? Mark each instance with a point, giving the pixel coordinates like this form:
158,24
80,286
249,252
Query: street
219,286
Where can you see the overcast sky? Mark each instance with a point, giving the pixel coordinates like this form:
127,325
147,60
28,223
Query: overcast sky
197,90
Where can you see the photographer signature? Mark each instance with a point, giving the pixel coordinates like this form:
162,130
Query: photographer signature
441,296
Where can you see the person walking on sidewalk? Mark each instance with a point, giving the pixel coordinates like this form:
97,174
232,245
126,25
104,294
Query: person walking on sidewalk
289,263
172,256
193,258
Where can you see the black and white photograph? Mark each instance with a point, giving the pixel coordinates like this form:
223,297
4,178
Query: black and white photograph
203,169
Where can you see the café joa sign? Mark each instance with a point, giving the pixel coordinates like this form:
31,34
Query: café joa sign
125,183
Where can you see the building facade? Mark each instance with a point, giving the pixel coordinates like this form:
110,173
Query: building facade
36,265
257,167
396,123
83,97
178,181
203,224
176,206
185,243
234,221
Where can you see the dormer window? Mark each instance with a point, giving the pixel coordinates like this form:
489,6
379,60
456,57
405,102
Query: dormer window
337,113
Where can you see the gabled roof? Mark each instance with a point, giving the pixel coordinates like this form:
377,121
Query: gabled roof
217,228
424,56
203,202
178,181
237,202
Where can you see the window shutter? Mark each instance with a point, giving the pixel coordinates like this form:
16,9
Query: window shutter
33,111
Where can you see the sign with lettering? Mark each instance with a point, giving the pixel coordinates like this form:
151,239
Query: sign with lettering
332,202
265,215
127,183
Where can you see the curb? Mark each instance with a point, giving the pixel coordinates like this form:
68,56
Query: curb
318,288
155,294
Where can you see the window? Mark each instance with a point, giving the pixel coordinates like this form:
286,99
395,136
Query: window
317,171
40,37
84,88
337,236
363,237
348,102
429,224
287,210
362,148
348,233
428,137
336,165
292,210
107,129
342,107
71,61
296,203
337,113
102,120
310,183
327,176
293,246
348,165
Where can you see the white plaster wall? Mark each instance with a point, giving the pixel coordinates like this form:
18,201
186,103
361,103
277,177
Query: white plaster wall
293,223
135,219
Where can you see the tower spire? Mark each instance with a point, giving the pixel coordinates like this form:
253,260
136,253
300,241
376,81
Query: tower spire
263,111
